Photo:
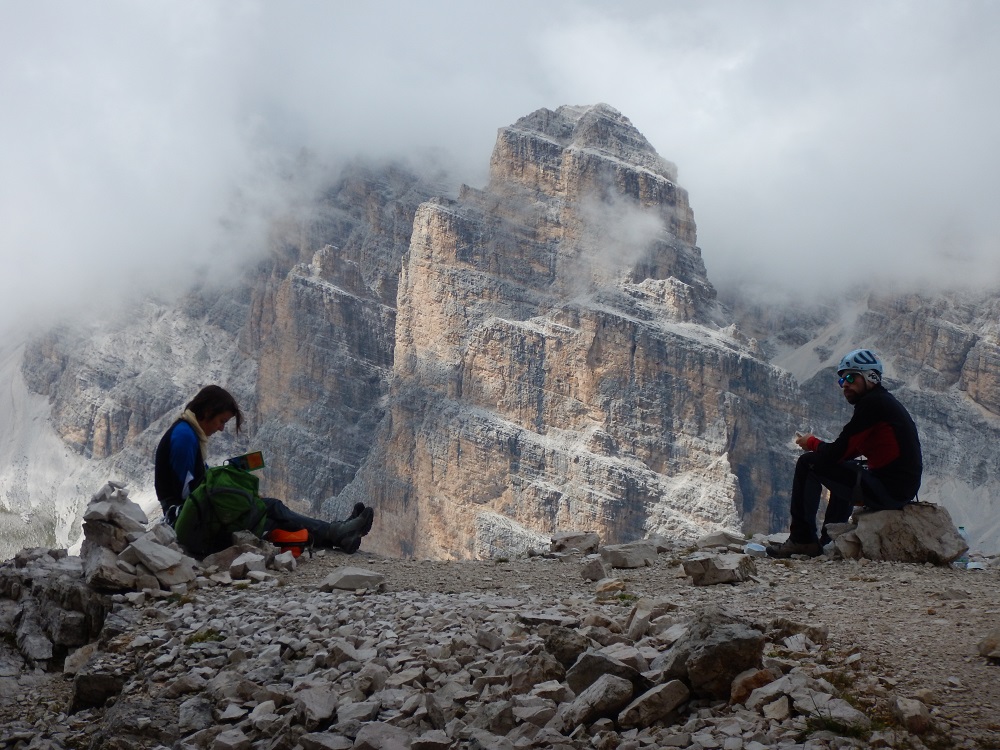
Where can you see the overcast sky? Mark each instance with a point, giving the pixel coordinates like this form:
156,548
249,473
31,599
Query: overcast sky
820,142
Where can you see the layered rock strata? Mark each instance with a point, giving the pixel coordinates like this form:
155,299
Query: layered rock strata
322,330
561,360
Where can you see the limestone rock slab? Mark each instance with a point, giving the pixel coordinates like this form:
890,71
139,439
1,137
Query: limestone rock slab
919,533
350,579
708,569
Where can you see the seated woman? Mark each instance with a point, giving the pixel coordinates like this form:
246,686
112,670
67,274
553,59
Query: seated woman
180,467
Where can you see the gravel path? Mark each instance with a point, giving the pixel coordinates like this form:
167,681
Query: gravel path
914,628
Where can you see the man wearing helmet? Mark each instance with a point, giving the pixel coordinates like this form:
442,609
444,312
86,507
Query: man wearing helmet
882,431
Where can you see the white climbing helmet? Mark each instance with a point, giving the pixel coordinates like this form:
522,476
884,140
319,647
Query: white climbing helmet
864,361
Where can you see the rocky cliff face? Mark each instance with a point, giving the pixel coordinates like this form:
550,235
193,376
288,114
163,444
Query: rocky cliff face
108,386
304,341
322,332
543,353
561,362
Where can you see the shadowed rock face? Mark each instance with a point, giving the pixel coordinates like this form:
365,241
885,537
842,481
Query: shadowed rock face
304,341
323,332
560,360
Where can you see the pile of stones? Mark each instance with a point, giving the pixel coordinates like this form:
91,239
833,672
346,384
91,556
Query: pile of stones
52,603
264,668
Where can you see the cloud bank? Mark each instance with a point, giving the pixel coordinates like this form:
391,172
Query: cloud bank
145,144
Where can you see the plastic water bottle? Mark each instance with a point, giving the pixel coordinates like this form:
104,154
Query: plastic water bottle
963,560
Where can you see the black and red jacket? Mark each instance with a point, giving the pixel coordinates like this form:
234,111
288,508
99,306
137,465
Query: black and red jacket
882,431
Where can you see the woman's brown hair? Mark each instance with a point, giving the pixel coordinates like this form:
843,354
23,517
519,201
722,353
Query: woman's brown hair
213,400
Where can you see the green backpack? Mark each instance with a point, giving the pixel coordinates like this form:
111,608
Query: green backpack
225,502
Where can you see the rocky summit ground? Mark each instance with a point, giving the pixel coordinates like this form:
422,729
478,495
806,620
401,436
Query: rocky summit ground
895,630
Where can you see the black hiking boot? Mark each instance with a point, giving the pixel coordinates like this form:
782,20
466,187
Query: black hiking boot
350,544
347,533
787,549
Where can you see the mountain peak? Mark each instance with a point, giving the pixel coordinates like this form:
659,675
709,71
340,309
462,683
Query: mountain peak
598,127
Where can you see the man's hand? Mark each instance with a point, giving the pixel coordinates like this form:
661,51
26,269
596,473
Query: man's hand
802,440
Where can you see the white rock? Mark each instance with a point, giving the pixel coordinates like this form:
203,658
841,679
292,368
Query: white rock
584,542
631,555
247,562
285,561
148,551
778,710
720,539
351,579
708,569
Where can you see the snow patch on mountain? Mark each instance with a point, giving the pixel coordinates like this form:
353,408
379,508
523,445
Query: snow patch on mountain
44,485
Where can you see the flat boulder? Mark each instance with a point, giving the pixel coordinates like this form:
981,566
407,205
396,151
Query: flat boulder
919,533
720,539
591,665
707,569
605,697
151,553
350,579
654,705
584,542
631,555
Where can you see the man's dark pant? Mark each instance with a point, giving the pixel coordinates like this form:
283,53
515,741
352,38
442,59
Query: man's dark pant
849,484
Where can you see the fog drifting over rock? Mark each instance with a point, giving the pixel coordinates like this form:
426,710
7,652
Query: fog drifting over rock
145,145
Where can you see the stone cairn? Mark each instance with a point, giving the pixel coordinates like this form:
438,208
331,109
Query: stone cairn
63,601
349,665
